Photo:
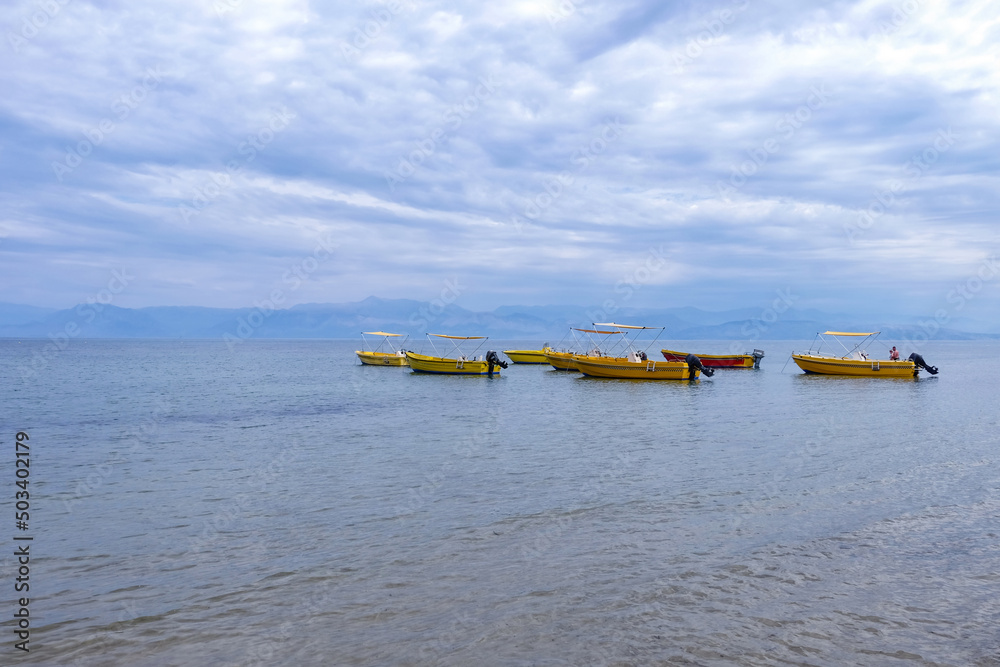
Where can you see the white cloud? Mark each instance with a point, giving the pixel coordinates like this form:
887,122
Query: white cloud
409,84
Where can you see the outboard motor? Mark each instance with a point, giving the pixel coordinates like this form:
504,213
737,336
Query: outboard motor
920,363
492,359
694,363
757,356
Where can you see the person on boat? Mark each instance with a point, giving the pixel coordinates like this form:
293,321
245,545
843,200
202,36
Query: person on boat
894,354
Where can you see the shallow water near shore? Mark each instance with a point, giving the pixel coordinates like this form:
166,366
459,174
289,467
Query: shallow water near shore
281,504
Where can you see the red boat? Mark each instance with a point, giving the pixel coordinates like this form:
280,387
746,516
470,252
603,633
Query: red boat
751,360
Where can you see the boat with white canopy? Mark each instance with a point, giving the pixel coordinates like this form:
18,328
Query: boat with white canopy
461,363
635,364
856,360
388,352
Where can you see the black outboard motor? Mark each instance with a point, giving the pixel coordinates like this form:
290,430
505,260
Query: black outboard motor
492,359
694,363
919,361
757,356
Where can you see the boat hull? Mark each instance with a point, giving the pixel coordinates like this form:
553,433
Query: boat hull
614,367
561,361
422,363
527,356
811,363
713,360
381,358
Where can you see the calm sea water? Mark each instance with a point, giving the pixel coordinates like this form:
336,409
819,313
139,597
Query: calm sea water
280,504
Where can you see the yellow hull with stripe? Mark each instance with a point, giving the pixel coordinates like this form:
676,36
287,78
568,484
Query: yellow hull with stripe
622,368
527,356
381,358
561,361
812,363
445,366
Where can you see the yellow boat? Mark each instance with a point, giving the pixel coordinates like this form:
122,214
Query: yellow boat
561,361
528,356
377,357
856,361
633,368
460,364
635,365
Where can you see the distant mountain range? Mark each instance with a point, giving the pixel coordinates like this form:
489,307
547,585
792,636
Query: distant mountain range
347,320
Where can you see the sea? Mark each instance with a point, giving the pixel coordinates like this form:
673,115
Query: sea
274,502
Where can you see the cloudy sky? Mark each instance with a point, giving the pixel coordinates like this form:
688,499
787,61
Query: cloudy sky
216,152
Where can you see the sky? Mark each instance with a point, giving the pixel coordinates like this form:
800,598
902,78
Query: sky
632,153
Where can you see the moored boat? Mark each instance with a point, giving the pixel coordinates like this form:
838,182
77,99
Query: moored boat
748,360
528,356
635,365
561,361
564,360
856,361
628,369
461,363
379,356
